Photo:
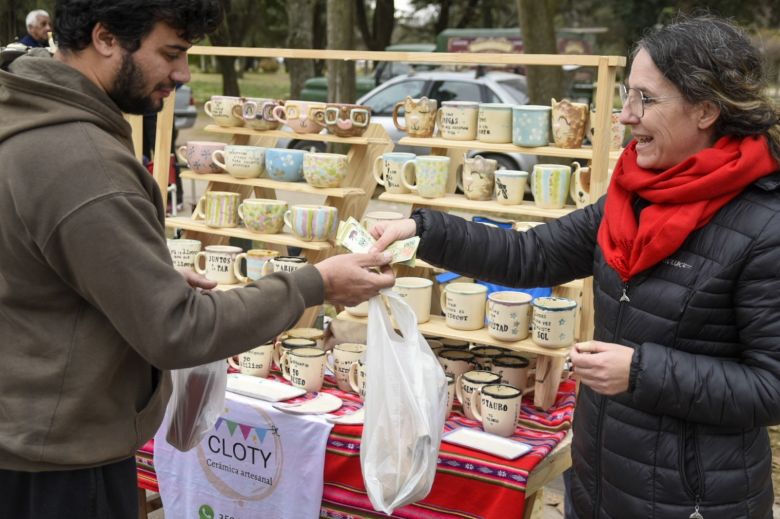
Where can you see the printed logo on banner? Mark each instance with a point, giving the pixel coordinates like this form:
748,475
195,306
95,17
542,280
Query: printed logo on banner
242,461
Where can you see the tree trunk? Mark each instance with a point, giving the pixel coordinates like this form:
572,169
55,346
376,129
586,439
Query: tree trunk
319,35
379,35
341,74
536,24
300,20
443,20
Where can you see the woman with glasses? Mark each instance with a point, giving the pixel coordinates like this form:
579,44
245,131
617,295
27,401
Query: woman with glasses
683,376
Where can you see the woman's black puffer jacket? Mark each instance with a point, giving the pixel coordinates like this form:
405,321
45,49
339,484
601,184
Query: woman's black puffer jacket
705,376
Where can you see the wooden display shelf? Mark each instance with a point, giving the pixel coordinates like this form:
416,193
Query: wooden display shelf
297,187
188,224
545,151
453,201
281,134
437,328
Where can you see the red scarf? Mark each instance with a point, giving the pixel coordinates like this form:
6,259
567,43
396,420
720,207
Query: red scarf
682,199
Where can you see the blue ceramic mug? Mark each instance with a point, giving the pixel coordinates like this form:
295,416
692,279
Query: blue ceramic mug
284,164
531,125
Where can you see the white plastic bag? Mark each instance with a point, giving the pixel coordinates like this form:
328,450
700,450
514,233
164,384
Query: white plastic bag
197,400
406,394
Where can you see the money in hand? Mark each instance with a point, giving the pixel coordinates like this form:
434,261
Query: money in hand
355,238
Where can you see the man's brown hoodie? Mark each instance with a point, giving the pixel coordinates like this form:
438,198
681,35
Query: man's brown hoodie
90,305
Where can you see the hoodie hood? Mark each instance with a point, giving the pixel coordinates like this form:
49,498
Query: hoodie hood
37,90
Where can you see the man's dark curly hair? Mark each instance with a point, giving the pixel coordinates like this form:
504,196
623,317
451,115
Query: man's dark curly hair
131,20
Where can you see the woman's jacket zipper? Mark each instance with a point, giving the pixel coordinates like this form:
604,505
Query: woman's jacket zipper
624,299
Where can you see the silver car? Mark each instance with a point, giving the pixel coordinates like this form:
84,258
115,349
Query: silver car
184,110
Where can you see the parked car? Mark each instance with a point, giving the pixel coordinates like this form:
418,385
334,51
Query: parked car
316,88
184,110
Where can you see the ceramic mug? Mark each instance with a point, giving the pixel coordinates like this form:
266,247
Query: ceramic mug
218,209
510,186
456,362
283,164
301,116
388,170
304,368
341,359
498,408
198,156
219,263
357,378
617,130
347,120
464,305
550,185
553,321
457,120
183,253
371,218
290,343
526,226
416,292
324,169
240,161
360,310
257,264
568,123
312,222
435,345
450,395
313,334
431,173
531,125
288,263
494,123
255,362
467,388
221,110
454,344
419,116
263,215
484,355
508,315
514,370
257,113
477,178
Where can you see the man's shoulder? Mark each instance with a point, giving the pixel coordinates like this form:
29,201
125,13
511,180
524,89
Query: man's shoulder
29,41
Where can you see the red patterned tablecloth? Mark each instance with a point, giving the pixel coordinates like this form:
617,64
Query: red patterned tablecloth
469,483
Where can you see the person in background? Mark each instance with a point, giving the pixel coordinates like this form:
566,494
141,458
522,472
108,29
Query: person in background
92,311
683,376
38,25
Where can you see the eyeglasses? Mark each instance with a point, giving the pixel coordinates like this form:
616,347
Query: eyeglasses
636,100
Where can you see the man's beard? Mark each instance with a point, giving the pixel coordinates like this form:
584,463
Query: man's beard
128,89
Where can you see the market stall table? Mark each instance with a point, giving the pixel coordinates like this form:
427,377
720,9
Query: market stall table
469,483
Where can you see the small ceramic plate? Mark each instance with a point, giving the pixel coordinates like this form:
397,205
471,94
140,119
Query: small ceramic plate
262,388
320,404
355,418
486,442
